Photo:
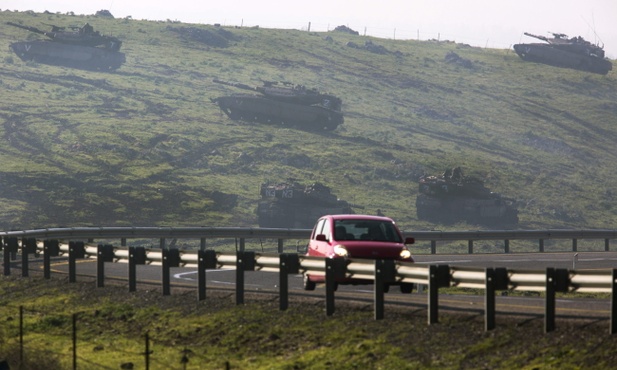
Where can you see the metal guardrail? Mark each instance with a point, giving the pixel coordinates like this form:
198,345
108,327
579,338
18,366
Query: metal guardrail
382,272
203,233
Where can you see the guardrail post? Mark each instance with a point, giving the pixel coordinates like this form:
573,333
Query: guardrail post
202,244
541,246
137,256
51,248
439,277
496,279
245,261
171,258
335,269
206,259
385,273
6,257
280,246
556,281
14,248
104,253
606,245
613,328
574,245
506,246
28,245
433,246
76,250
289,263
470,247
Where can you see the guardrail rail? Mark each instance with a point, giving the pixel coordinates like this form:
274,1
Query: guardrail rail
52,243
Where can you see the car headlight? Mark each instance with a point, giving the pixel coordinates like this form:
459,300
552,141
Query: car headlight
405,254
340,250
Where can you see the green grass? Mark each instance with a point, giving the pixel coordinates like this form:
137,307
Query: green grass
112,325
145,146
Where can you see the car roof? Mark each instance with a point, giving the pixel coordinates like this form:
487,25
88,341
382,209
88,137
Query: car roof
358,217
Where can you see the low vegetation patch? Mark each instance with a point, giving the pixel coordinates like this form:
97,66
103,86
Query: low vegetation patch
112,325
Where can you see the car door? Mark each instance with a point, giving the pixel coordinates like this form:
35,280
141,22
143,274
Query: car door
314,244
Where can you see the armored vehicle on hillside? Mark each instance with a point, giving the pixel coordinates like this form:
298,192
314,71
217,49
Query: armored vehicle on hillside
452,198
77,47
561,51
294,206
283,104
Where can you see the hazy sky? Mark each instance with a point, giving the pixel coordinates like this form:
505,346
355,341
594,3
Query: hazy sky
486,23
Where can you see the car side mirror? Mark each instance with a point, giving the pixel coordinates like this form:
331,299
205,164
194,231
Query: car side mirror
410,240
321,238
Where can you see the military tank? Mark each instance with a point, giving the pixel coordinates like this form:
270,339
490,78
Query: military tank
75,47
561,51
295,206
452,198
282,104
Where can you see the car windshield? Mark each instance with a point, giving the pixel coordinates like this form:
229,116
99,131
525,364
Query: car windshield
376,230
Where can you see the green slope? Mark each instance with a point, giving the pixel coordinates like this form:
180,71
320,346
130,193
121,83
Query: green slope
145,146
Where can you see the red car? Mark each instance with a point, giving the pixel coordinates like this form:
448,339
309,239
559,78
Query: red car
357,236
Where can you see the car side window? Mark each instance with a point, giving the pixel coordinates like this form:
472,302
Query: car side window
327,230
318,228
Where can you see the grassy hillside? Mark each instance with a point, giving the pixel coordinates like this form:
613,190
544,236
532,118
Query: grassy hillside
145,146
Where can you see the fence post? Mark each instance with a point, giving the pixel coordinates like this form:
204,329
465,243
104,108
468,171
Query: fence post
10,247
74,341
24,258
606,245
51,248
335,268
76,250
470,247
496,279
280,246
104,253
385,273
137,256
439,276
574,245
245,261
289,263
206,259
557,280
6,255
506,246
170,258
433,246
541,246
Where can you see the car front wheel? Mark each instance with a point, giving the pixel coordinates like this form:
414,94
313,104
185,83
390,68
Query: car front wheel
307,284
406,288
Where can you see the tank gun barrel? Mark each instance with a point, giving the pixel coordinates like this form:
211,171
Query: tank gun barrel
537,36
235,84
31,29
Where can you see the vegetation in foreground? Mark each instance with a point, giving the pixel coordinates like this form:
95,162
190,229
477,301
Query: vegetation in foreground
112,324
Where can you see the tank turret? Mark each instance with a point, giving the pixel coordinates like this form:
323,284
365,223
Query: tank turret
76,47
453,197
562,51
283,104
292,205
